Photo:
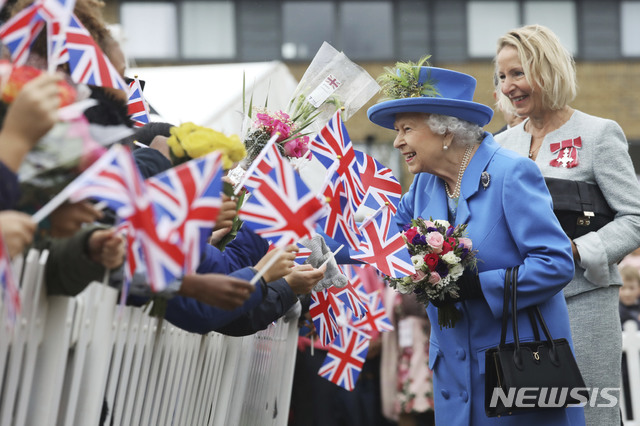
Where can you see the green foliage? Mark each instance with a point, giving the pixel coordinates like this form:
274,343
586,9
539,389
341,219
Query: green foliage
402,81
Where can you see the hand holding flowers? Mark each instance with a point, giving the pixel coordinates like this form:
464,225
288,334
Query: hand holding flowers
441,255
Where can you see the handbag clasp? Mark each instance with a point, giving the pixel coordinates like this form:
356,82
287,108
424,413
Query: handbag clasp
536,356
585,220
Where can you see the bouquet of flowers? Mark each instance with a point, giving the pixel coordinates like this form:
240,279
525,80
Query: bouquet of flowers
332,81
440,254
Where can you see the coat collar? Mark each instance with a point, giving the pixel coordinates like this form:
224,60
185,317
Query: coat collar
471,178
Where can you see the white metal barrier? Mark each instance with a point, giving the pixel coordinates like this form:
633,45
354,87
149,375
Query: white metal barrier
631,347
70,357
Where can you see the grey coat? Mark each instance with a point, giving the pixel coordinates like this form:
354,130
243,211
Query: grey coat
602,159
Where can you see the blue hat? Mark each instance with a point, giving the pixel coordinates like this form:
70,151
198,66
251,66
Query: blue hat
454,97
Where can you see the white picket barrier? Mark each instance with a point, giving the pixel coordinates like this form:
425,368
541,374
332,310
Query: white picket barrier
631,347
68,357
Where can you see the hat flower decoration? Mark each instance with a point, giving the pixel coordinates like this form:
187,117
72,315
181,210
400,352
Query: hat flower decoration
420,88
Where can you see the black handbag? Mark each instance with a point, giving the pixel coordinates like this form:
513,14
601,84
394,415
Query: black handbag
579,206
543,373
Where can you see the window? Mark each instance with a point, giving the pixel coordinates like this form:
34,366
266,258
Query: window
559,16
366,30
487,21
208,30
142,22
306,25
630,31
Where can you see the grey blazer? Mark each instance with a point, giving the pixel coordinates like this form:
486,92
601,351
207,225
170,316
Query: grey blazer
603,158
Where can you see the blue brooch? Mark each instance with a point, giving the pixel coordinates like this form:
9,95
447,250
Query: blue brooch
485,179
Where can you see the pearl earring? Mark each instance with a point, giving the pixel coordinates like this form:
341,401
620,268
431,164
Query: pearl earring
445,147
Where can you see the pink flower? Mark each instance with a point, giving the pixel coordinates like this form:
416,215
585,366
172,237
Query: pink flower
419,275
283,128
410,233
435,240
297,147
264,119
429,224
434,278
465,242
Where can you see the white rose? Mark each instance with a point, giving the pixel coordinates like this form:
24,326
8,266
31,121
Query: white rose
442,222
456,271
418,261
451,258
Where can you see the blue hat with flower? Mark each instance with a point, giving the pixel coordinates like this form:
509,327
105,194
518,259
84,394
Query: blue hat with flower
413,87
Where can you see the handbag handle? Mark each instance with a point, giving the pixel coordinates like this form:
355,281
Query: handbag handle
505,305
534,311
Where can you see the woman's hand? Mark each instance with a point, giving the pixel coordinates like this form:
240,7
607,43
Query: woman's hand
67,219
303,278
17,231
107,248
217,290
283,264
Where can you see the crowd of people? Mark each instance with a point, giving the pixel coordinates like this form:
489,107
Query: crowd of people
420,373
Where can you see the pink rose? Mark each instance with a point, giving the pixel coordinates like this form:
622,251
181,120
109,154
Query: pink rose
465,242
264,119
297,147
429,224
410,233
434,278
419,275
435,240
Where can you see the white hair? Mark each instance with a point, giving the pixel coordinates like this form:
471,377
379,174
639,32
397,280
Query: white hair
464,132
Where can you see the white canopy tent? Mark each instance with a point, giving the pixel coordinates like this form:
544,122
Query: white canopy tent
211,95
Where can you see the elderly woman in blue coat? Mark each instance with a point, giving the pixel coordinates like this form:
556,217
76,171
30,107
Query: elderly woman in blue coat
463,176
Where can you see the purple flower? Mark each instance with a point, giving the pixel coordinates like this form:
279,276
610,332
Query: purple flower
406,227
442,269
465,252
450,231
419,239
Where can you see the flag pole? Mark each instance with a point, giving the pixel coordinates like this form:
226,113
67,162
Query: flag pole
268,265
331,256
255,163
373,216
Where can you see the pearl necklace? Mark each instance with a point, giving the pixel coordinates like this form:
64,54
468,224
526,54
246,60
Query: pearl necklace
463,166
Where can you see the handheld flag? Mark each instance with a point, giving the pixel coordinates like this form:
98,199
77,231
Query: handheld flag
346,357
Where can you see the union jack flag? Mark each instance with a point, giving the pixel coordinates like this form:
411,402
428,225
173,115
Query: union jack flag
345,358
324,311
57,14
333,148
353,294
87,62
263,164
378,183
282,208
340,222
114,178
187,201
19,32
383,246
376,318
136,105
11,294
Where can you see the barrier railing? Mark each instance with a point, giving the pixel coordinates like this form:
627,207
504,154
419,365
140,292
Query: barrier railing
75,360
631,348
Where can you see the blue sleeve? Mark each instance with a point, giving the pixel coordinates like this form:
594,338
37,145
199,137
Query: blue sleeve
197,317
278,300
245,250
9,188
150,161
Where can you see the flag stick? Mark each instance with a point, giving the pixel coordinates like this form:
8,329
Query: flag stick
46,210
255,163
331,256
265,267
373,216
312,345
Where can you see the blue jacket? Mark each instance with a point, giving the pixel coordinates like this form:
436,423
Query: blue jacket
510,222
9,189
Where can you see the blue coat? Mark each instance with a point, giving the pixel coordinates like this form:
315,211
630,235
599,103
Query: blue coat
510,222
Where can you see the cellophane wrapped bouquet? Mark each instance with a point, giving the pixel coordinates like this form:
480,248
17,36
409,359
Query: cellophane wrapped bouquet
440,253
330,82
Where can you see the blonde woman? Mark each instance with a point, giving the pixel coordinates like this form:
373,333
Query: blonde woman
538,80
